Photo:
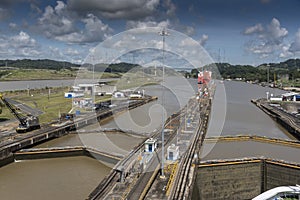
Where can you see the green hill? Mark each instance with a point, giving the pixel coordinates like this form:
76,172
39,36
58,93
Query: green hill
37,64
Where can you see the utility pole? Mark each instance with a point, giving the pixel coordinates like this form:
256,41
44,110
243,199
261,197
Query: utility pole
268,74
163,33
93,86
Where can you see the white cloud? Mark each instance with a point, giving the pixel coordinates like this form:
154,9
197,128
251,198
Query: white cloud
23,40
254,29
286,51
149,22
61,24
170,6
189,30
189,42
295,45
12,25
20,45
266,40
55,22
94,31
275,32
203,40
115,9
72,52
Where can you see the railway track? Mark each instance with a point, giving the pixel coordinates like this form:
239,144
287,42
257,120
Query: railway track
105,186
183,175
145,177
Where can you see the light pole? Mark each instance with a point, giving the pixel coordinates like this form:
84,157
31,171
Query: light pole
163,33
268,74
93,84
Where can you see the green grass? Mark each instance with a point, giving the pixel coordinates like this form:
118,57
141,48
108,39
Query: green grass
45,74
50,105
55,103
37,74
133,80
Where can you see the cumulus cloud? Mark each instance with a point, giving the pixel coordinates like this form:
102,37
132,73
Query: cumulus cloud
170,6
55,22
275,32
149,22
266,40
295,46
94,31
254,29
286,51
203,39
20,45
23,40
12,25
115,9
189,42
61,24
189,30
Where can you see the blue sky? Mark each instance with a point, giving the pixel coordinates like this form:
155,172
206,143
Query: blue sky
234,31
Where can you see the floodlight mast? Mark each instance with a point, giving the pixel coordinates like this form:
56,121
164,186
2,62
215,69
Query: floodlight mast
163,33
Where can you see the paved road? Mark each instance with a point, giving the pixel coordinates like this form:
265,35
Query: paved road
25,108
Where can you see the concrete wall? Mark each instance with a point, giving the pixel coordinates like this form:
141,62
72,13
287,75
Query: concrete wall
278,175
242,180
239,181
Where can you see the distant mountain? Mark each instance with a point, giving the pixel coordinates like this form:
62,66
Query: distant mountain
228,71
58,65
291,64
113,68
37,64
251,73
223,70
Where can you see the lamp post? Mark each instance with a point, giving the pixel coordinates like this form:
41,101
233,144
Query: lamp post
268,74
163,33
93,84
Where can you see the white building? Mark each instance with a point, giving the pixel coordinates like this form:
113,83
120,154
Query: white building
104,89
99,89
119,95
88,88
75,92
136,96
173,152
150,145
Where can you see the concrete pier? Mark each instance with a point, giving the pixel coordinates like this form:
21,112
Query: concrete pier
290,122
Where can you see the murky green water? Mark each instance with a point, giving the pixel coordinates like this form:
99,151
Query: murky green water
48,179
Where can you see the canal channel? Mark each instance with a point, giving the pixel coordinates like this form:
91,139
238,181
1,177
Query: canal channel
83,174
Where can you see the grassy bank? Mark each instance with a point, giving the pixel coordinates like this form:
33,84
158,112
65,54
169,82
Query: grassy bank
46,74
51,105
